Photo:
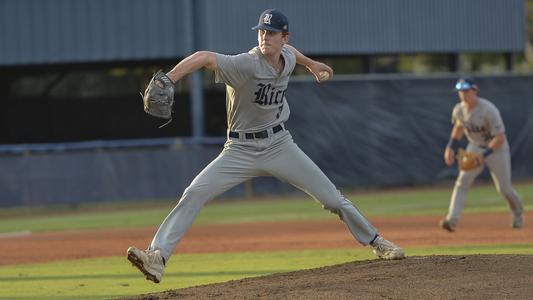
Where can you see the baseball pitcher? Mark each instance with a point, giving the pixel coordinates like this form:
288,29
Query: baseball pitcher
480,121
258,143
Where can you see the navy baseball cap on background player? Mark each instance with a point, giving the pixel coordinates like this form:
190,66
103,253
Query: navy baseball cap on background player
273,20
465,83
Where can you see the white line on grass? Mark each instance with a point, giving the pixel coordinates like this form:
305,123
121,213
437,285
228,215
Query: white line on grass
15,234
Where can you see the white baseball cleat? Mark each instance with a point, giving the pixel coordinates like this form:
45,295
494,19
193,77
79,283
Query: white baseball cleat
386,249
149,262
518,221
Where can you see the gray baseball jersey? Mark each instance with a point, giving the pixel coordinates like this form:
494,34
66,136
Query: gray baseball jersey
480,126
258,145
255,92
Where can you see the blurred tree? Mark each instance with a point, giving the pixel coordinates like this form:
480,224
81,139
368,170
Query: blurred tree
524,61
529,46
484,62
425,63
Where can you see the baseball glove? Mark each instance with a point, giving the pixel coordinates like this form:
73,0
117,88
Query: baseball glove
468,160
158,97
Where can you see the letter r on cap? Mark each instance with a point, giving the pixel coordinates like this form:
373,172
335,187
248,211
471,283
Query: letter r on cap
266,19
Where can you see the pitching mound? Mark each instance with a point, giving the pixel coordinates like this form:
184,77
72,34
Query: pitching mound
433,277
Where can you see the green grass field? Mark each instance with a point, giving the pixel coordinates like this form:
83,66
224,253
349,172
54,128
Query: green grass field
114,277
397,202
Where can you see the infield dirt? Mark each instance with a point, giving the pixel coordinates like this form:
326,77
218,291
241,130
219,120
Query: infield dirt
414,231
432,277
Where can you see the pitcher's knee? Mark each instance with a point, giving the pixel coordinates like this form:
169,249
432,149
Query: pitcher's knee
335,211
195,194
335,206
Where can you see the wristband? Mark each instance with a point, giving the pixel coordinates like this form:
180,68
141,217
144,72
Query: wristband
452,143
487,152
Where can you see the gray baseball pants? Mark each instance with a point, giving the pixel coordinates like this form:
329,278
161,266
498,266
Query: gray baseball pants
242,160
499,164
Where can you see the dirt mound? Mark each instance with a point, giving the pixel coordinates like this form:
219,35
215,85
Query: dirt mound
433,277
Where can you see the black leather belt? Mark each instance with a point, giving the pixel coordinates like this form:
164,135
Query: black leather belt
256,135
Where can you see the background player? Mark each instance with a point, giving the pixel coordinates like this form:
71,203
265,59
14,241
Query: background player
480,120
258,143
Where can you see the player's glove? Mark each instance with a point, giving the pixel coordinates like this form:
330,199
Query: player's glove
468,160
158,97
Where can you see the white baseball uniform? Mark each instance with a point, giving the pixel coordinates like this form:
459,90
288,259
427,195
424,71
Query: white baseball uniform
481,125
258,144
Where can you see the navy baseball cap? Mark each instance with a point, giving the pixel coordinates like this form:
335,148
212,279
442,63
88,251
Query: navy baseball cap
273,20
465,83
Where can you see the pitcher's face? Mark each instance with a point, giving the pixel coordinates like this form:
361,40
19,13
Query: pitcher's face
271,42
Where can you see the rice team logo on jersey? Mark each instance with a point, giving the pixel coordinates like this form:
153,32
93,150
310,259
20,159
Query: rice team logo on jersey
267,95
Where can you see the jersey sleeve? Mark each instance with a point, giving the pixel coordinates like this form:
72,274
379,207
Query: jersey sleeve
234,70
455,115
495,121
